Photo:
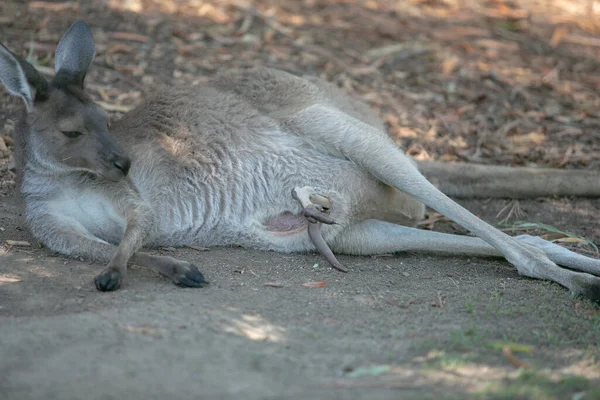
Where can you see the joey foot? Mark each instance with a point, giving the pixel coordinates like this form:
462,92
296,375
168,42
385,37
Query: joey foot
315,207
108,280
316,210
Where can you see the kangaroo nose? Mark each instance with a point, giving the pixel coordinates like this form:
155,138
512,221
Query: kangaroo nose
122,163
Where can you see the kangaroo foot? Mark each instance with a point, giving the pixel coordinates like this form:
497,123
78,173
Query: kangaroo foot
182,273
188,276
108,280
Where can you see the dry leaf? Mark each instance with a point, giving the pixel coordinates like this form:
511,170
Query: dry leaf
8,140
570,240
53,6
582,40
506,350
313,284
552,236
558,35
449,65
433,218
144,330
6,279
498,45
528,139
505,13
136,37
22,243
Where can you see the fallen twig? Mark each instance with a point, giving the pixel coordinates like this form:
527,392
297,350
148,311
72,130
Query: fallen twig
313,284
274,284
51,6
22,243
198,248
135,37
115,107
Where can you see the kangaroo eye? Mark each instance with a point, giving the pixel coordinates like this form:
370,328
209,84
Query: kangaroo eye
71,134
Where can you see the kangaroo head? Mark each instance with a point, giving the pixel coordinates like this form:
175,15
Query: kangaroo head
65,129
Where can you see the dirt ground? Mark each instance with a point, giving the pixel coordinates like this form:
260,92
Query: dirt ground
488,82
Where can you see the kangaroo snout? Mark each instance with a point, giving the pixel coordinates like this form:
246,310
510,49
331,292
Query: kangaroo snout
122,163
114,166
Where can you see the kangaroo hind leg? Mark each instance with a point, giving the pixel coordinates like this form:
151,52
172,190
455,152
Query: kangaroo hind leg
377,237
346,137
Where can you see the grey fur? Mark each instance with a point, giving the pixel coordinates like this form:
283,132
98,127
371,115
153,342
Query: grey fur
214,165
75,51
13,77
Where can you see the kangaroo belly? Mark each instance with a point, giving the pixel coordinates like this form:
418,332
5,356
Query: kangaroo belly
183,220
286,223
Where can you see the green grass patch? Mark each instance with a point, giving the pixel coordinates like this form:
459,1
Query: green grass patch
530,384
524,225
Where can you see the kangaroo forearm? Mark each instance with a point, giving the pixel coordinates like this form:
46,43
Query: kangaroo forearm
131,242
74,240
75,244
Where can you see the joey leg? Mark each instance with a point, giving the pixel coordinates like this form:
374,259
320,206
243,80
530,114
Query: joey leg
316,210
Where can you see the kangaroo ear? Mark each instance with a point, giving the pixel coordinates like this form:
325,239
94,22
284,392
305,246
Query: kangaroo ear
74,54
21,79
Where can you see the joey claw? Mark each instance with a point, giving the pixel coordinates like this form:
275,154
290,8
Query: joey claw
314,215
108,280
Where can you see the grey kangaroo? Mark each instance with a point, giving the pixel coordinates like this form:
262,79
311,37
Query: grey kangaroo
258,158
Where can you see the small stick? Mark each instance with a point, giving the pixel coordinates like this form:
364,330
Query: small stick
274,284
18,243
197,248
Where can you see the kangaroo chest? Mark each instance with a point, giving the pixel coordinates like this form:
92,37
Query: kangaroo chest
92,211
